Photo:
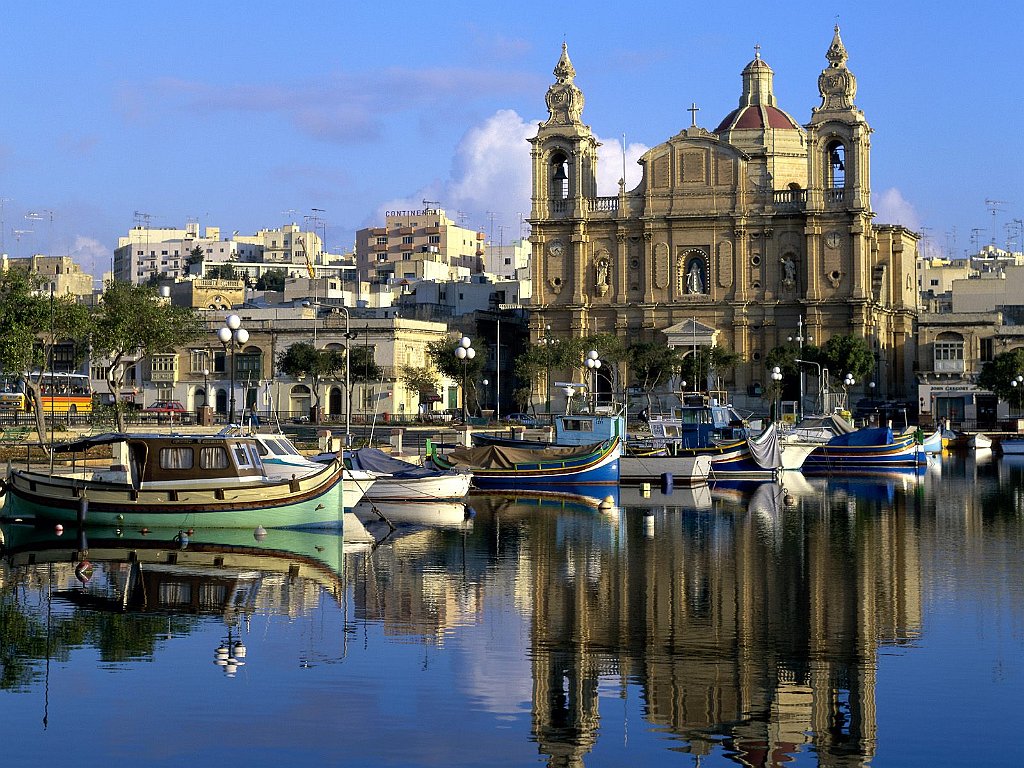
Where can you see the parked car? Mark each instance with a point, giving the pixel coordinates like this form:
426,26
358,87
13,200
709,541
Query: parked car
164,408
524,419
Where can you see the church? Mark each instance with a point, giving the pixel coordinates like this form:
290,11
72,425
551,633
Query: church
753,235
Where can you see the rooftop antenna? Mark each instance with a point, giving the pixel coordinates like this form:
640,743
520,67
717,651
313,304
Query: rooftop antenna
994,206
17,237
491,215
291,213
431,205
142,219
976,238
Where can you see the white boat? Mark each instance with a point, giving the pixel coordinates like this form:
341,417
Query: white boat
174,480
398,480
281,459
979,442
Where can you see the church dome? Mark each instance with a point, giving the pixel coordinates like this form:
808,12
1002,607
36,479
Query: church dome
756,117
757,110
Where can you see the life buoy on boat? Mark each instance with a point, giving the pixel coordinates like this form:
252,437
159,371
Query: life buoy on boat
83,571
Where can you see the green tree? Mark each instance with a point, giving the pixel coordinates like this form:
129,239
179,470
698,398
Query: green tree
534,366
441,353
651,365
34,322
303,359
131,323
708,363
844,354
997,374
271,280
422,380
225,271
195,256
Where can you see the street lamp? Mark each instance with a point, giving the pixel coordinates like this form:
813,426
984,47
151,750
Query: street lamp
465,352
848,381
485,383
232,333
777,387
800,339
206,387
348,360
547,341
593,362
1018,387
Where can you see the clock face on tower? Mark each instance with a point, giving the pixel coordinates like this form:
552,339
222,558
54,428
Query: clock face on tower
832,239
556,248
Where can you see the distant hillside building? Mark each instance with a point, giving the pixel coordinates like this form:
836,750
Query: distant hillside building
60,273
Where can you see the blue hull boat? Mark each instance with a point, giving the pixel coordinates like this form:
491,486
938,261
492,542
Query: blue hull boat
497,467
868,450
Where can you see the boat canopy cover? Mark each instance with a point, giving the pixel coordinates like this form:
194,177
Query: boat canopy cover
505,457
866,436
765,448
375,460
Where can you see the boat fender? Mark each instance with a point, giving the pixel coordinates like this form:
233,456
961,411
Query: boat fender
3,486
83,508
667,483
83,571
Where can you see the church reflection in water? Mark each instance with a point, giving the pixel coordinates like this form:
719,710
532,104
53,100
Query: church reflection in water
751,624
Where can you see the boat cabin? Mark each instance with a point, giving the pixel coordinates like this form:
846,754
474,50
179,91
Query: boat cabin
156,460
699,422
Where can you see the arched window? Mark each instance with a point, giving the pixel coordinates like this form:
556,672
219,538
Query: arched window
222,401
559,176
835,156
334,401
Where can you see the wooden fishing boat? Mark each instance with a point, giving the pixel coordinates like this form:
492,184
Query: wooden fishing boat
177,481
870,449
554,468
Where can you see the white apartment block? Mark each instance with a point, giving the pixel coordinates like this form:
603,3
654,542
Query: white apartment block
508,261
426,236
163,252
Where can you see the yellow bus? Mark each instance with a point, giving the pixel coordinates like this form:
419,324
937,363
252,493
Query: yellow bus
62,393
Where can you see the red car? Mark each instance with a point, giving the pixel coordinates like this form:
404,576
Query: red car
164,408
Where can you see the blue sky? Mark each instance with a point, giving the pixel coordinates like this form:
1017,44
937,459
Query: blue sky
250,115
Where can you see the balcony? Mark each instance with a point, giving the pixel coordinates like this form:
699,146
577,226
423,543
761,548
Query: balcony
949,366
790,199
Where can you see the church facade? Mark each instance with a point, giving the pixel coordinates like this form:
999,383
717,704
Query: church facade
743,236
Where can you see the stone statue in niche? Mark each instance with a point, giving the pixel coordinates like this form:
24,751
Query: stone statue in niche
788,272
601,277
694,278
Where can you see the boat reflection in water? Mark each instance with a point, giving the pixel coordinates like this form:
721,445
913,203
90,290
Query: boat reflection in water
744,624
186,575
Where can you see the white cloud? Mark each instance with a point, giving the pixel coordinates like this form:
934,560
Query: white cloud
91,255
491,173
892,208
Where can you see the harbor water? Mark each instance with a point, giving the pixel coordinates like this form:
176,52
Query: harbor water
829,621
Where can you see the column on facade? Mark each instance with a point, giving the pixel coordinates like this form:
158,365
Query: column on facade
648,262
621,275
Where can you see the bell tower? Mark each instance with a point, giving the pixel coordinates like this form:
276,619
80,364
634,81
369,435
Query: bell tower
839,138
564,162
